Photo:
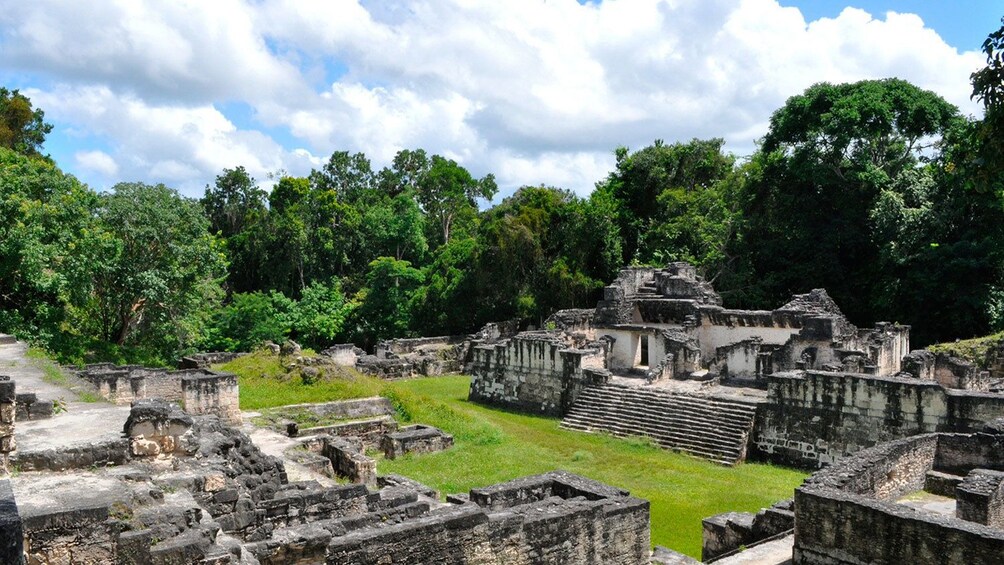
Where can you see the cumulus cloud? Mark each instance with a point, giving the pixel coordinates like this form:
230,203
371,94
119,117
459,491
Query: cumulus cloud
97,161
536,92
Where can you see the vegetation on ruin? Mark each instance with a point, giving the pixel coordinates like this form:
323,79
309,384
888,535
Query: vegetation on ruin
493,445
878,191
974,350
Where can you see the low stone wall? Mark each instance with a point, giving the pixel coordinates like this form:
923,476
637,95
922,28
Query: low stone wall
534,372
11,534
199,391
538,524
813,418
847,512
85,456
349,461
30,407
8,414
979,498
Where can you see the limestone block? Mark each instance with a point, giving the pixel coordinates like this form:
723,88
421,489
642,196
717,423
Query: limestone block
145,447
215,482
7,444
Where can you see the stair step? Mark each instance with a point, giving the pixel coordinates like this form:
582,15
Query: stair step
709,427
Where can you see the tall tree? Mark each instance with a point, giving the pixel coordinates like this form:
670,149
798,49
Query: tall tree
988,88
448,193
824,162
46,229
236,210
22,128
641,177
162,268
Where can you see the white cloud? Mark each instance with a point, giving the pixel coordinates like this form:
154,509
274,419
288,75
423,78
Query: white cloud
97,161
182,146
536,92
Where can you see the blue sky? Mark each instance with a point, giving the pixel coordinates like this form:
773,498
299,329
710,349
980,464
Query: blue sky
963,24
534,91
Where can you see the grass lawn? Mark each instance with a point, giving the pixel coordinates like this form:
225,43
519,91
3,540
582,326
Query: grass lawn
493,445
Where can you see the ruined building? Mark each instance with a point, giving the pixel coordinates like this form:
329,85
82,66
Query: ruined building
143,480
660,356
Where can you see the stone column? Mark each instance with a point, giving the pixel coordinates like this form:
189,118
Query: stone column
8,413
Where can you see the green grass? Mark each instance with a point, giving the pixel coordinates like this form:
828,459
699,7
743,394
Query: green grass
493,445
51,372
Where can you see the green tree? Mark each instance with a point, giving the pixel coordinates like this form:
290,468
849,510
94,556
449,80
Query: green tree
47,227
641,177
809,191
161,271
349,175
386,302
249,320
985,158
448,194
237,213
319,318
536,248
22,128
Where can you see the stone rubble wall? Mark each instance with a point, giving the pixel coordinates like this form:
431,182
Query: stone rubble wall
813,418
980,498
415,439
206,360
30,407
585,529
8,415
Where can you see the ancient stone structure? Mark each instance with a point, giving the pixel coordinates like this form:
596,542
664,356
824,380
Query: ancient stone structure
404,358
814,418
199,391
415,439
8,415
855,511
206,360
534,371
804,386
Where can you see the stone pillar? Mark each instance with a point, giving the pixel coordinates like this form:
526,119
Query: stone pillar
8,413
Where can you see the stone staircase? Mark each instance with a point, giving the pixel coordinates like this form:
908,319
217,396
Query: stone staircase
713,428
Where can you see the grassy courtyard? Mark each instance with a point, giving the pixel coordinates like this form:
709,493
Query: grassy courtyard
493,445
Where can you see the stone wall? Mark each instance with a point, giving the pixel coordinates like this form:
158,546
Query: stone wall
199,391
205,360
535,372
980,498
8,414
813,418
550,519
415,439
847,512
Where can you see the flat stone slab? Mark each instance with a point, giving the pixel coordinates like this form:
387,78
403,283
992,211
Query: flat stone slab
777,552
82,423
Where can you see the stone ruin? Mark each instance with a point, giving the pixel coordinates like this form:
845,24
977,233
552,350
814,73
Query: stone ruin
346,430
929,498
660,356
165,482
200,391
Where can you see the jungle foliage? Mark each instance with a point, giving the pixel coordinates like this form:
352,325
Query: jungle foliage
879,191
